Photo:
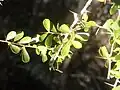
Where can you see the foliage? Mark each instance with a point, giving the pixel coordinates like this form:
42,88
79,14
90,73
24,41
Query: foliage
112,55
54,45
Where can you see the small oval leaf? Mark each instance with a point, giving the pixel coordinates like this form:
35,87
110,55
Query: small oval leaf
46,24
25,40
103,51
15,49
80,38
48,41
44,58
25,56
19,36
65,50
64,28
85,17
53,29
43,36
113,9
11,35
77,44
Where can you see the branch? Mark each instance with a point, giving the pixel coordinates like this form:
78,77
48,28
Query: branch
86,6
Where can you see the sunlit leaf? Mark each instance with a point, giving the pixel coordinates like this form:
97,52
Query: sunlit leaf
91,23
15,49
11,35
59,60
116,88
108,24
117,57
77,44
25,56
25,40
85,17
115,73
48,41
117,65
115,26
80,38
113,9
42,49
101,0
53,29
117,41
103,51
116,33
46,24
65,50
64,28
43,36
117,49
44,58
19,36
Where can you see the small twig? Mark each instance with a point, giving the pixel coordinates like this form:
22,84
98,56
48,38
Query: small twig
116,82
3,41
109,84
86,6
82,33
75,19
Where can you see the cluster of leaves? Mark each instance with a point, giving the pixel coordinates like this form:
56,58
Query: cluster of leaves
112,55
54,45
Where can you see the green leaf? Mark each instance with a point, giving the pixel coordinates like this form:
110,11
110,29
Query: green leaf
115,73
64,28
65,50
108,24
85,17
113,9
116,33
41,49
117,49
117,65
77,44
116,88
117,41
25,40
19,36
37,51
43,36
53,29
115,26
46,24
25,56
90,24
15,49
44,58
59,60
103,51
11,35
117,57
48,41
80,38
